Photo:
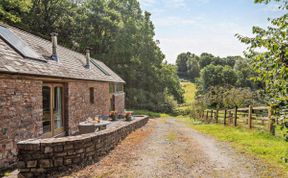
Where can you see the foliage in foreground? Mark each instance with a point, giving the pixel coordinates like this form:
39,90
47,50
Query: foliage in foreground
272,64
272,149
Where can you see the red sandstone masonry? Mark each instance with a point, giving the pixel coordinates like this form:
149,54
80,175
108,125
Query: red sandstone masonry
44,157
21,110
79,106
20,115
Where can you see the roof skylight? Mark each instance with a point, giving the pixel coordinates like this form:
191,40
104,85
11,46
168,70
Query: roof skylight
100,68
19,45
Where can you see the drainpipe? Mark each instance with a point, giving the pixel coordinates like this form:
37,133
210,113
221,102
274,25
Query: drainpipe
54,47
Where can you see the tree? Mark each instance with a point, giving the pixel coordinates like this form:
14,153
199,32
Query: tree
245,74
272,64
212,75
101,21
239,97
45,17
181,63
118,33
11,11
218,61
171,79
219,97
229,76
205,60
231,60
193,69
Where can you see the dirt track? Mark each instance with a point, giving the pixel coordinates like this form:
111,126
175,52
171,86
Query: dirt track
167,148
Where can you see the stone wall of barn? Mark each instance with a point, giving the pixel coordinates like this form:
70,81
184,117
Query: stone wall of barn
20,115
79,105
21,110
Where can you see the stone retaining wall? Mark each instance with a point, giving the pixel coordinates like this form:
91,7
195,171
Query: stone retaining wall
43,157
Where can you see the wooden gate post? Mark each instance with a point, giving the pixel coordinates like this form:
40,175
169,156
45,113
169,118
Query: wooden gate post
225,116
235,117
216,116
250,117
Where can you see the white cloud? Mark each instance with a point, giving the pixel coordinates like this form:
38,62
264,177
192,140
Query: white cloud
172,46
147,2
176,3
201,1
175,21
173,3
215,38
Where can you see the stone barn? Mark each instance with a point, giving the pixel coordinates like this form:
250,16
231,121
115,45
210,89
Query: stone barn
46,90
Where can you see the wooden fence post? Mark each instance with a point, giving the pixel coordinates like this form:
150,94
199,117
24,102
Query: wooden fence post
271,122
202,114
225,115
206,118
250,117
230,117
211,116
216,116
235,117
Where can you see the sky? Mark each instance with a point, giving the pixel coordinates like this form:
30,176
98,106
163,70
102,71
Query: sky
206,25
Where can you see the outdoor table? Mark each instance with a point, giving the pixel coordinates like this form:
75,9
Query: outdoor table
90,126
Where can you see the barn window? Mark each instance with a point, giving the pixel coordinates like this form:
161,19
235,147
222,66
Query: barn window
92,98
119,87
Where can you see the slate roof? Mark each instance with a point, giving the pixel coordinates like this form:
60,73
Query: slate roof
71,64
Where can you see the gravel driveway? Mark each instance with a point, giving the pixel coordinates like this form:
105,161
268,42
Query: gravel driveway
167,148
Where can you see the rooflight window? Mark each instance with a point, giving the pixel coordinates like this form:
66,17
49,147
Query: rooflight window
100,68
19,45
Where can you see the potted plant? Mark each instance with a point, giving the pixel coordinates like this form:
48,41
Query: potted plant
113,115
128,116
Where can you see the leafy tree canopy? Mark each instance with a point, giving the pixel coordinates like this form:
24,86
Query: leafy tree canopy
272,64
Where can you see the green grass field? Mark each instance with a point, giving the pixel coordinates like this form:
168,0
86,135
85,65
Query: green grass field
189,96
260,144
148,113
190,91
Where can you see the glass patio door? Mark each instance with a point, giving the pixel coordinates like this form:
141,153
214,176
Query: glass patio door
53,112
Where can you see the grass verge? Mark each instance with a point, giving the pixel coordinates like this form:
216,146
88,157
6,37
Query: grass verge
148,113
258,143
